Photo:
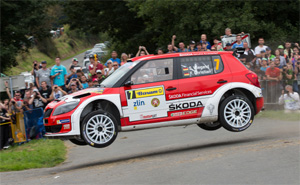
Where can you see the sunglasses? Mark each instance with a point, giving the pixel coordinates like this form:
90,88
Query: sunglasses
115,65
109,63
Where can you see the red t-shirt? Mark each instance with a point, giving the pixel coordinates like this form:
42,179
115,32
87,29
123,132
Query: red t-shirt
98,67
273,73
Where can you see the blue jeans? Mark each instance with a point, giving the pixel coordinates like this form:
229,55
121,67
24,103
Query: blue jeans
295,86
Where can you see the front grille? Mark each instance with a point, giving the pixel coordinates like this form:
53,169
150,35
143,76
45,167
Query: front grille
53,129
47,113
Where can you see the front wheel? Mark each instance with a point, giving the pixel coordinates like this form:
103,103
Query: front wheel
99,129
236,113
210,126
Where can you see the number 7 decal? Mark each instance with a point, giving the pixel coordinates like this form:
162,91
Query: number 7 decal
217,63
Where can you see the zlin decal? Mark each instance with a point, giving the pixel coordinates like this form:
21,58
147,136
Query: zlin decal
138,103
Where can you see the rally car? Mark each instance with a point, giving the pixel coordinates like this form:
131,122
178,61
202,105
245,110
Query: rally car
210,89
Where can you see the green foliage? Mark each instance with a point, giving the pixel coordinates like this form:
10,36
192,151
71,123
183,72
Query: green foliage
35,154
20,20
152,23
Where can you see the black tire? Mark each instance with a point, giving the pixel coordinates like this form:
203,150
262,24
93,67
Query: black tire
79,142
100,129
236,113
210,126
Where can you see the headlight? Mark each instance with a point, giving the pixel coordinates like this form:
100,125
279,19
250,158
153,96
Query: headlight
67,107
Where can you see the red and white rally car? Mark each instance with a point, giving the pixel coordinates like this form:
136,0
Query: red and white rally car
211,89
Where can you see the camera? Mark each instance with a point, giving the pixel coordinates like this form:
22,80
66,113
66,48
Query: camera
13,102
55,87
35,65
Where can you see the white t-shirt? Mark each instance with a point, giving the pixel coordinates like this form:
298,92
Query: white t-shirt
258,49
291,101
107,72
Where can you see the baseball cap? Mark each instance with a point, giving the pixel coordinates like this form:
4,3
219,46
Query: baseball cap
95,80
228,44
264,59
98,71
44,62
91,56
35,90
72,84
192,42
75,59
268,49
263,51
280,47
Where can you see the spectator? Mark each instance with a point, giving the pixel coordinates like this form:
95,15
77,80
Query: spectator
141,52
239,43
262,55
296,84
192,46
160,51
281,58
37,100
217,45
170,48
180,45
261,74
73,87
79,74
76,82
84,82
57,92
114,58
204,47
269,55
228,34
43,74
94,66
58,74
72,74
95,82
274,76
281,51
260,47
16,101
204,40
26,104
4,128
91,83
124,58
228,47
34,70
101,77
115,66
5,104
75,64
288,76
249,55
264,65
45,92
290,99
109,70
288,51
296,50
277,63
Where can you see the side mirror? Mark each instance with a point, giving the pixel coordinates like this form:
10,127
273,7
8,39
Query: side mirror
128,83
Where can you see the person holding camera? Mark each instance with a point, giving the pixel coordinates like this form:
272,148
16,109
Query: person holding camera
58,74
72,74
73,87
76,82
37,99
57,92
290,99
4,128
16,101
142,51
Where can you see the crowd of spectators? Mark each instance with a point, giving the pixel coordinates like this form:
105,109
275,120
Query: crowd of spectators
279,69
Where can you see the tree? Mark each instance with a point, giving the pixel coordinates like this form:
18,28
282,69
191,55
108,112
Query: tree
19,21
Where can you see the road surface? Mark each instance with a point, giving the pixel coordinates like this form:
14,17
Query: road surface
67,63
266,153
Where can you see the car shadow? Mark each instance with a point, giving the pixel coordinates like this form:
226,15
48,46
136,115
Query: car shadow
160,152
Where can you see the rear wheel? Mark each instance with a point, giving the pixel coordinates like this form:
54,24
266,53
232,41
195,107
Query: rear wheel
99,129
210,126
236,113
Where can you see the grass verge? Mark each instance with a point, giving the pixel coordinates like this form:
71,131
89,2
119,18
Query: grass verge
279,115
34,154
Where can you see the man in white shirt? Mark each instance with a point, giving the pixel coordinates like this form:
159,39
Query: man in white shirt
290,99
260,47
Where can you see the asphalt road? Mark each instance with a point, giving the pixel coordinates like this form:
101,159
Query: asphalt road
266,153
67,63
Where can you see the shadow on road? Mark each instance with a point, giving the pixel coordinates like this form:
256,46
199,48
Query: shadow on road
162,152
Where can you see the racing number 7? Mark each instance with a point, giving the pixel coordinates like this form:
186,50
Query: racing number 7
130,94
217,63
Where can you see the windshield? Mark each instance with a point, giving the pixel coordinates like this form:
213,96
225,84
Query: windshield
118,74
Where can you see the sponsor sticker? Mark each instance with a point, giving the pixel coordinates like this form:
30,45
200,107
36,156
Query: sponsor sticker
66,126
192,94
185,105
156,91
63,121
142,116
138,103
183,113
155,102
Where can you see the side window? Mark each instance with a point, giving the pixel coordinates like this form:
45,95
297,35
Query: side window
218,64
196,66
154,71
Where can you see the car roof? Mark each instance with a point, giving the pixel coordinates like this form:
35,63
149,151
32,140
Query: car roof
172,55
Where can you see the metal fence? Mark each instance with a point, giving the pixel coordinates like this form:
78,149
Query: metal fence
272,90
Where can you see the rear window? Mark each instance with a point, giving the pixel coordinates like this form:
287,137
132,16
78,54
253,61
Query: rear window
201,66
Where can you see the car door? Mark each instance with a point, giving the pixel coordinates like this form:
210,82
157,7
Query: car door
146,99
200,77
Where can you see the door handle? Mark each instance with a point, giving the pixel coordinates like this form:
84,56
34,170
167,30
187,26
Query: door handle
171,89
221,81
